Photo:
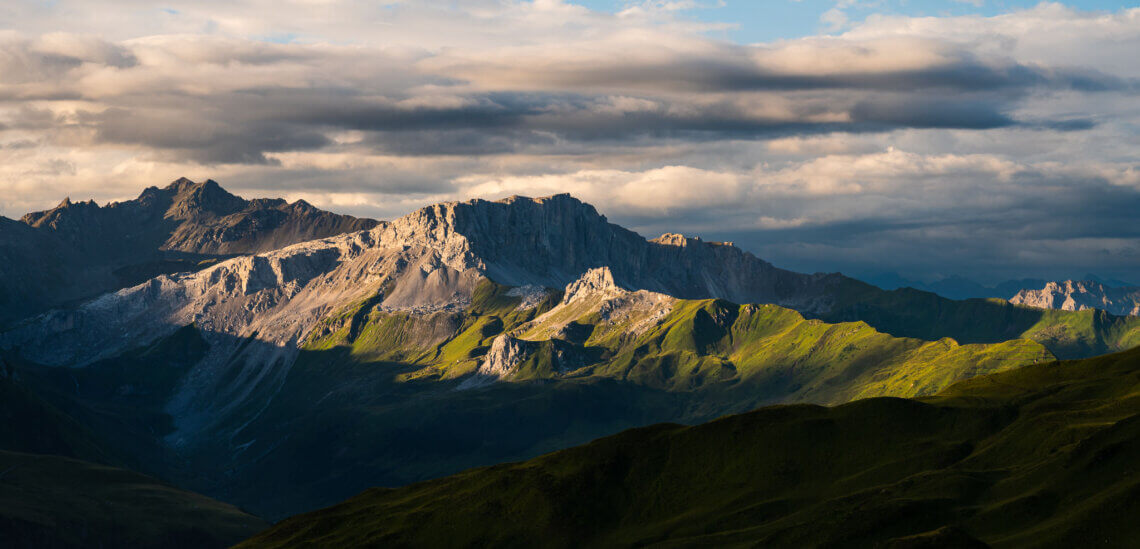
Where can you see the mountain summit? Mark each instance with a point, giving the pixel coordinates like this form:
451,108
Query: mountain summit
552,241
79,249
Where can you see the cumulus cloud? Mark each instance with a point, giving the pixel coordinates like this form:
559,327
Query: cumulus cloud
378,108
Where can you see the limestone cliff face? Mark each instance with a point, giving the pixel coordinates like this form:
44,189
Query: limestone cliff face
1078,295
552,241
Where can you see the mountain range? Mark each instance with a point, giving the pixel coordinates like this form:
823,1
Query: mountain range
960,287
954,286
340,354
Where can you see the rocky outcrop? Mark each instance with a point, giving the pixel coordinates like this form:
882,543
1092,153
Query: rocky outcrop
508,355
1079,295
596,293
505,356
596,282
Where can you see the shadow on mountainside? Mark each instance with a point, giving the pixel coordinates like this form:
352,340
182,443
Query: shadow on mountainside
1041,456
281,436
62,476
325,430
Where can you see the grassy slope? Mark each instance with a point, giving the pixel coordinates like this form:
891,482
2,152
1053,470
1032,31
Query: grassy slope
51,501
107,413
753,354
760,353
441,345
769,351
377,413
1046,455
912,313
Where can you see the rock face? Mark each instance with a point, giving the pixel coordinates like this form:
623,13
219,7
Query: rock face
428,259
552,241
505,356
596,281
597,292
1078,295
79,249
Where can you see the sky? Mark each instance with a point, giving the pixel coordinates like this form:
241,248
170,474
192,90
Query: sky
992,139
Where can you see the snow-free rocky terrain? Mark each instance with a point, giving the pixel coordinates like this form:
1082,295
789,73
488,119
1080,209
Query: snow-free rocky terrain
78,250
471,333
1080,295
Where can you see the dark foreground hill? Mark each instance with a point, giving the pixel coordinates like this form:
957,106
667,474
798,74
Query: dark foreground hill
76,498
1046,456
56,502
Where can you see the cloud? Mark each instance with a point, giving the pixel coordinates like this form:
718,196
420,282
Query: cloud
997,123
224,100
859,212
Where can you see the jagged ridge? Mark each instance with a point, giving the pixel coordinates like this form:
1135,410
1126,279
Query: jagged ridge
80,249
1080,295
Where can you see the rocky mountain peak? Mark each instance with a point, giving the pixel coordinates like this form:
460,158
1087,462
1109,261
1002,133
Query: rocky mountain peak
1078,295
599,280
675,239
181,182
191,199
552,241
89,249
65,216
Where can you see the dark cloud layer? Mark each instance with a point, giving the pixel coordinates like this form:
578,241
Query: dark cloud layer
232,113
1061,229
242,128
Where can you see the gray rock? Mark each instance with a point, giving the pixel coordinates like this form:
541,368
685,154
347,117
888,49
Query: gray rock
78,250
256,310
1079,295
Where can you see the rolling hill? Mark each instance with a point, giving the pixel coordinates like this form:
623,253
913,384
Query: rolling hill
1045,455
57,502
